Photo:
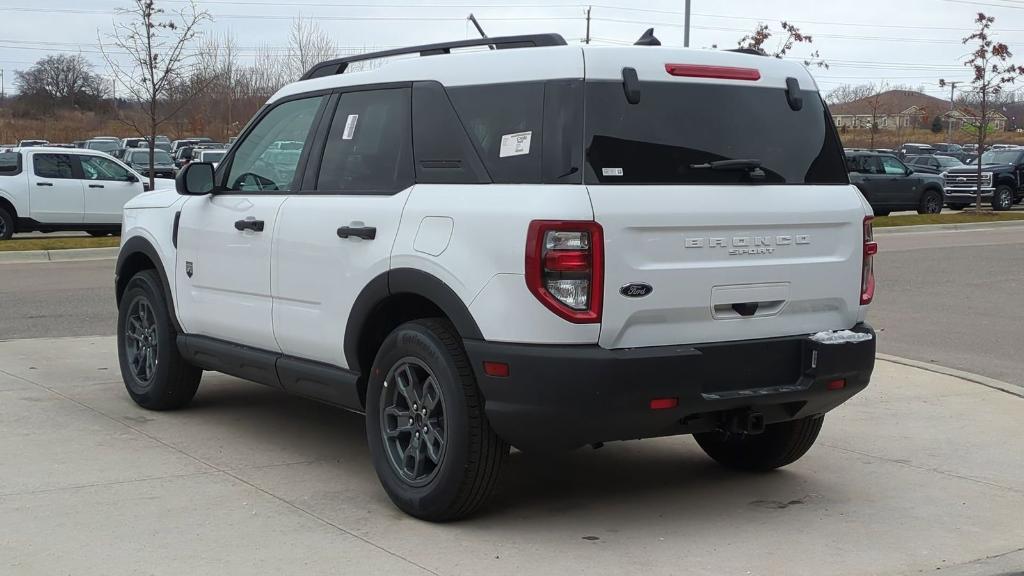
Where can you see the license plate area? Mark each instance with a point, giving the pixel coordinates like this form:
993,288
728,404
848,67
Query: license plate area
762,364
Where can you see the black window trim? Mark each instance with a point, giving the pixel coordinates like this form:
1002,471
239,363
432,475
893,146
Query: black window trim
76,166
20,166
224,168
311,173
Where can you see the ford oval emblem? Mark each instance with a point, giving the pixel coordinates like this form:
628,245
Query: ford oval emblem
636,290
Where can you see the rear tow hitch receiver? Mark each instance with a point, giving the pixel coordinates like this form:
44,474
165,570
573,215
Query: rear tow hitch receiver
745,422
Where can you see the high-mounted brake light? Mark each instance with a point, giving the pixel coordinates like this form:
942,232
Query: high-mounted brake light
867,275
565,268
720,72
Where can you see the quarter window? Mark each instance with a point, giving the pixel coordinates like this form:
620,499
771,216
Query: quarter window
266,160
56,166
10,163
369,147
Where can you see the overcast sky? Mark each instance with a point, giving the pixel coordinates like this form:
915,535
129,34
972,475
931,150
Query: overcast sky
912,42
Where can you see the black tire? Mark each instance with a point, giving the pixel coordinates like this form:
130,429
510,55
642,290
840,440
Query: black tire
1002,198
6,225
779,445
881,212
470,455
154,372
958,206
98,233
931,202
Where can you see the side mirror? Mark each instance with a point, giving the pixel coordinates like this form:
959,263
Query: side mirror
196,179
133,178
910,171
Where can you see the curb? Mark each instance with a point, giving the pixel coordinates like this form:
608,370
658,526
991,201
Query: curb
1010,389
948,227
70,255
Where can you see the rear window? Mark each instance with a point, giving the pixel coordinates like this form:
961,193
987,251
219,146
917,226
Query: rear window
10,163
676,130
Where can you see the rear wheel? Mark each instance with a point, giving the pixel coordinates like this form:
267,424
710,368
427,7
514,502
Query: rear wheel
6,225
779,445
931,202
431,444
879,212
154,372
1002,198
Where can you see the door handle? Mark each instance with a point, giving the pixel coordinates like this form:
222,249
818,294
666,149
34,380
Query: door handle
249,223
95,185
44,184
365,232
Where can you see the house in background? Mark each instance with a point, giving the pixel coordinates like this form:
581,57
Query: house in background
903,109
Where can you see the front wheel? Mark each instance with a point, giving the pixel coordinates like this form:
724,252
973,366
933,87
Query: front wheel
430,441
1002,198
931,202
779,445
155,374
6,225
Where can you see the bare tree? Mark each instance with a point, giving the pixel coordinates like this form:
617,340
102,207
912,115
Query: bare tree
308,45
847,93
875,103
156,43
990,62
62,78
790,36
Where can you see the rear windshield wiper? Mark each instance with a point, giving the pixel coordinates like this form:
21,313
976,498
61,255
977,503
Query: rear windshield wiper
740,164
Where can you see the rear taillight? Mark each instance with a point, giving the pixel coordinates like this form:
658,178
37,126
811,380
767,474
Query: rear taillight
565,268
867,275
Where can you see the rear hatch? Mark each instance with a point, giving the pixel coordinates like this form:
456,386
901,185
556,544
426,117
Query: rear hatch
768,246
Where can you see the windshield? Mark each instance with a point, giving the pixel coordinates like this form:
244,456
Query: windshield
948,161
142,157
102,145
212,156
678,132
1000,157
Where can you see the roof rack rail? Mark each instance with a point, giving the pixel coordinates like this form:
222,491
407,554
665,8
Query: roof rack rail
339,65
751,51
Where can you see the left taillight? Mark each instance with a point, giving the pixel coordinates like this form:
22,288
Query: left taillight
867,275
565,268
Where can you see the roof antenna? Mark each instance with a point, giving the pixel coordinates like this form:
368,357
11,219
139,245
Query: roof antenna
648,39
477,24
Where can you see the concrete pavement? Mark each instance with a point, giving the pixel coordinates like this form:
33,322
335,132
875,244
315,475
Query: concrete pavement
920,472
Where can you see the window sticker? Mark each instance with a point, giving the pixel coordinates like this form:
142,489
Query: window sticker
517,144
350,127
611,171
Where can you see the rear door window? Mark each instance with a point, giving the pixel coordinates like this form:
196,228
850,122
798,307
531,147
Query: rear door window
678,130
10,163
369,146
55,166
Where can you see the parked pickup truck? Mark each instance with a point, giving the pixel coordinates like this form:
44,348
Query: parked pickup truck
1002,180
56,189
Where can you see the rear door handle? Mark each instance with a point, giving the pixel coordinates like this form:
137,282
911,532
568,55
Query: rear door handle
364,232
249,223
44,184
95,185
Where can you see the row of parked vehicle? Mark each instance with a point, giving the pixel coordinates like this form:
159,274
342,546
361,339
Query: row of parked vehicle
928,180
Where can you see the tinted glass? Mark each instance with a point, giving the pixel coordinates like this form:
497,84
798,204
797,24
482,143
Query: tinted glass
96,168
892,166
504,122
948,161
677,129
107,146
369,147
212,156
258,164
1000,157
10,163
142,157
53,165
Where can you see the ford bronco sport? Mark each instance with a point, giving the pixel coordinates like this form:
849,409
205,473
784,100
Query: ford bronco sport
538,245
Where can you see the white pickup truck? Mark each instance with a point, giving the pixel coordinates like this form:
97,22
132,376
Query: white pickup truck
58,189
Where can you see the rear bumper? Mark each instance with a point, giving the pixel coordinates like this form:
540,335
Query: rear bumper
562,397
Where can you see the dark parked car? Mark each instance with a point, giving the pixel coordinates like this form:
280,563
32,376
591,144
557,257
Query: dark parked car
889,185
138,159
954,150
929,164
1002,180
915,150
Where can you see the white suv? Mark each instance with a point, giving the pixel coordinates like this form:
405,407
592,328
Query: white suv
544,247
59,189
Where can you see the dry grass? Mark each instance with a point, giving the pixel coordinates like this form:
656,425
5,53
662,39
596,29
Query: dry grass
58,243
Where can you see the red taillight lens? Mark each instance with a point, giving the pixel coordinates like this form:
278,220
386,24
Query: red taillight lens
721,72
565,268
867,276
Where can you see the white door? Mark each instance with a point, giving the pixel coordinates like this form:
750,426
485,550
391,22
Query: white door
333,239
225,239
56,194
108,186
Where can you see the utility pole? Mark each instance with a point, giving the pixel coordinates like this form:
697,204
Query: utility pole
686,26
2,94
949,123
587,39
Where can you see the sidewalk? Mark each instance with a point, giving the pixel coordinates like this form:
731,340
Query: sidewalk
921,472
